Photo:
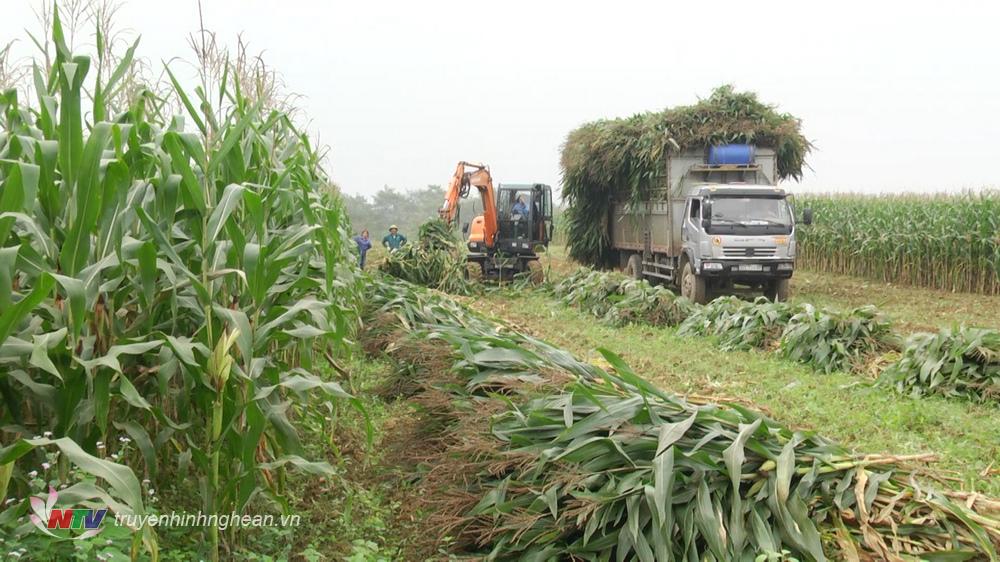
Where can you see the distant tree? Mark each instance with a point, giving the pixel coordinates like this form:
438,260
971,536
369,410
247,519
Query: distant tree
407,209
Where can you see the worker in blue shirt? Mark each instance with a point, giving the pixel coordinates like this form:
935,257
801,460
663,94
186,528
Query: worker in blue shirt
394,240
520,208
364,244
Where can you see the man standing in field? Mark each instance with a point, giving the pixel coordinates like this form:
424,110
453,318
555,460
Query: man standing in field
364,244
394,240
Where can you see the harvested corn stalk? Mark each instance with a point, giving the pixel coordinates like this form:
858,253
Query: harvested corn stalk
959,361
609,467
436,260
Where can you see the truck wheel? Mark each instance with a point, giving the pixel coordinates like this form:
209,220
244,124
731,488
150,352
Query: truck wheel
778,290
537,275
634,266
693,286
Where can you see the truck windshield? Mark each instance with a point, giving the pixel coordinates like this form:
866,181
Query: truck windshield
751,215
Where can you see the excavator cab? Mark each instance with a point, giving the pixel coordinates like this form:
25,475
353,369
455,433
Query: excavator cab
525,218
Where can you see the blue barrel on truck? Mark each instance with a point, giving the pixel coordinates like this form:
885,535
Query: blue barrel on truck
732,154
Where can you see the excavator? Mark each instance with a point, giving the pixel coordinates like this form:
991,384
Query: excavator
516,222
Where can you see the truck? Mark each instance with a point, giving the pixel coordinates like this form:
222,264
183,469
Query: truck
713,221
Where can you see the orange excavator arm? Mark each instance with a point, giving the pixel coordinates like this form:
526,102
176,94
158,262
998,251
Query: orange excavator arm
467,175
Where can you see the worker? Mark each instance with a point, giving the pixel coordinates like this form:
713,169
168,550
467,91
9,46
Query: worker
364,244
394,240
520,208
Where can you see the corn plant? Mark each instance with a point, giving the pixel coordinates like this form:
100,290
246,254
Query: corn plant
177,285
607,467
960,361
949,242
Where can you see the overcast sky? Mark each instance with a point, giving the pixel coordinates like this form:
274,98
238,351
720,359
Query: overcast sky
896,96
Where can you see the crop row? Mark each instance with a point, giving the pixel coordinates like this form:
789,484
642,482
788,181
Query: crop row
949,242
170,287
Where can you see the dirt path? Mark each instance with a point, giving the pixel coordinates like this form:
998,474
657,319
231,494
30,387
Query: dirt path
840,406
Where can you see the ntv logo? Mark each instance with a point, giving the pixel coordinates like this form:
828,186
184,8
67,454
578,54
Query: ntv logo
46,517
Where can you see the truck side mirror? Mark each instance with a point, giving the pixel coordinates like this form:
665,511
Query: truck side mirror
706,214
807,216
465,228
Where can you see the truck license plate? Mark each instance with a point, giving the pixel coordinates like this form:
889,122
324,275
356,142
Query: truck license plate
750,267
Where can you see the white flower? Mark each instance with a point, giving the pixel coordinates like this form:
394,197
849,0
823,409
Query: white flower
109,542
152,491
124,440
47,434
145,481
33,473
46,466
100,444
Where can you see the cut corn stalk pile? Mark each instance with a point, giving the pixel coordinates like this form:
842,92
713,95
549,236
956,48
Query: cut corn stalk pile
614,159
959,362
834,340
949,242
605,466
436,260
954,362
739,324
825,339
620,300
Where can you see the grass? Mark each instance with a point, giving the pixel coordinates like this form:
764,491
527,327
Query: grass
839,405
914,309
364,512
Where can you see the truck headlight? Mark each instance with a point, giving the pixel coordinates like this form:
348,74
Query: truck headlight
712,266
784,267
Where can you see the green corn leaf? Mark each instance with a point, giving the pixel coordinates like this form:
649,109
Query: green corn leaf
11,316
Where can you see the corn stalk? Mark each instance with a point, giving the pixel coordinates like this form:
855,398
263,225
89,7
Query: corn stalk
174,280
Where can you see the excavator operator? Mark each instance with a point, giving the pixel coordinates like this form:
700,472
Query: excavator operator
520,209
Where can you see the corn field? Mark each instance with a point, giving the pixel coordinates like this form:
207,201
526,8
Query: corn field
948,242
172,281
